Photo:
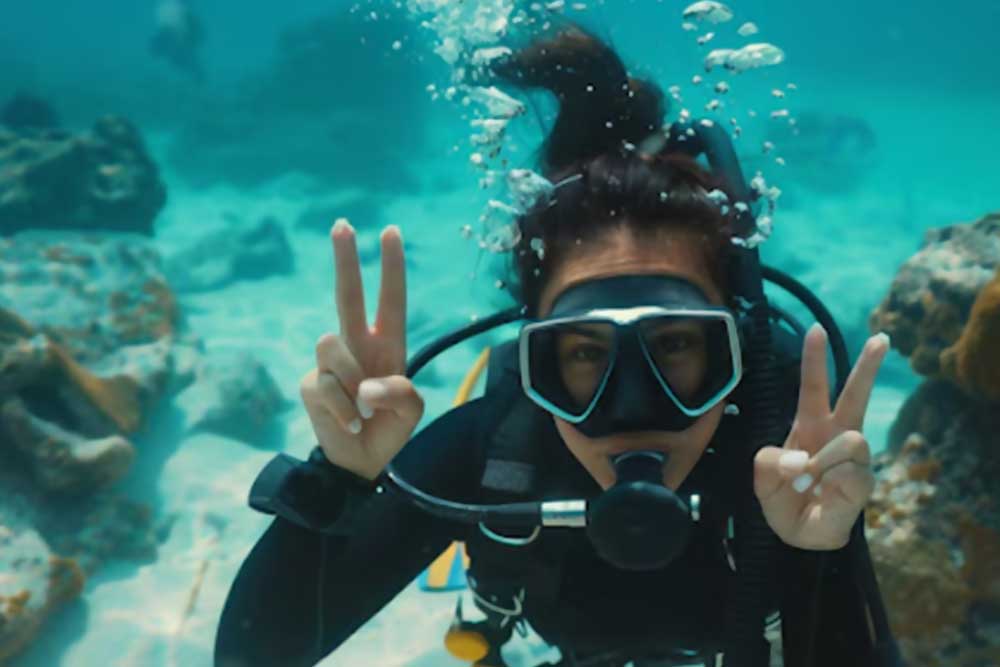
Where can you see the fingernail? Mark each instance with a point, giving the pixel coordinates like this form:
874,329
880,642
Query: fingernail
883,337
354,426
370,391
793,462
802,482
818,490
341,223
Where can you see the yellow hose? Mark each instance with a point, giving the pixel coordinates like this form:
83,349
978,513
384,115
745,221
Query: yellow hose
469,383
465,644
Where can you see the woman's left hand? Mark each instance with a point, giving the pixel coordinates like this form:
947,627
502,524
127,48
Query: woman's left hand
814,487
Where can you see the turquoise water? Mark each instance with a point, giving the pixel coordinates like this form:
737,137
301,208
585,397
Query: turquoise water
922,77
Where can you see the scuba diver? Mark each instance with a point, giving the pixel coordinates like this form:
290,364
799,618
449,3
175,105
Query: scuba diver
658,472
178,38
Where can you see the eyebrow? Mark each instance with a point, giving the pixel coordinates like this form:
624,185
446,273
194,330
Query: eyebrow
679,325
584,331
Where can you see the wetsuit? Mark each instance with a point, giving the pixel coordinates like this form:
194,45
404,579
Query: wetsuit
303,591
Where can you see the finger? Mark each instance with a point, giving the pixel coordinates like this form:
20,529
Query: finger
395,393
326,402
848,447
853,402
853,480
391,317
767,476
814,389
335,399
349,293
333,356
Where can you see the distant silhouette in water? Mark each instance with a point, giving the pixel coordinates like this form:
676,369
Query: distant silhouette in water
25,111
826,151
178,37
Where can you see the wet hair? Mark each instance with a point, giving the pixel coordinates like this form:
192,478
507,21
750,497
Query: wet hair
604,118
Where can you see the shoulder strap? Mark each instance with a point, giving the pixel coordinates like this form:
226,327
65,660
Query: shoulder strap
511,469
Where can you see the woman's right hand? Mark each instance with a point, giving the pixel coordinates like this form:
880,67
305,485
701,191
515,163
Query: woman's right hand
362,406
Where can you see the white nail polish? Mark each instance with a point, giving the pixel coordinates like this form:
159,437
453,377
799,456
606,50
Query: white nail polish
364,408
355,426
802,482
818,490
794,461
883,337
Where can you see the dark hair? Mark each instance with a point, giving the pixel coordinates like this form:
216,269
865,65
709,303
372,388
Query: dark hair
604,117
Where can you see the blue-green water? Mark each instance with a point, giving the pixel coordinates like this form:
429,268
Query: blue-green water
293,119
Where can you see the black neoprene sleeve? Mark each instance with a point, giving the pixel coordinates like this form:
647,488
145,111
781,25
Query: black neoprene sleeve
300,593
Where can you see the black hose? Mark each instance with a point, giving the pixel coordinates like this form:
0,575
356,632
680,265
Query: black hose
841,360
437,346
745,644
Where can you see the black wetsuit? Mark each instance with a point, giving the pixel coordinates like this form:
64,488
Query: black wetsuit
302,592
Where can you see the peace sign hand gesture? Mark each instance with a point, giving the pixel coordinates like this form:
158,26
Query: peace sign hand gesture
814,487
362,406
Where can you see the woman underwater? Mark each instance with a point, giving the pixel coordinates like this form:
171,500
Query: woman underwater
635,386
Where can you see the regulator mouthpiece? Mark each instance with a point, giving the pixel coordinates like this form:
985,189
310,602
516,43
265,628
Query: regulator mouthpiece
639,524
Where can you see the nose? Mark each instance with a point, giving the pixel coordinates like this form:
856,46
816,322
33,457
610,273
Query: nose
634,387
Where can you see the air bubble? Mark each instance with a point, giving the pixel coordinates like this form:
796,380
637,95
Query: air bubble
708,10
500,230
749,57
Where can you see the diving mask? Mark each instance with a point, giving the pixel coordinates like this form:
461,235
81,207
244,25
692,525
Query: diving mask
631,353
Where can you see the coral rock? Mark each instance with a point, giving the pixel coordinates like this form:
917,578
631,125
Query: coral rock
933,528
104,179
973,362
219,259
236,398
932,295
24,111
33,582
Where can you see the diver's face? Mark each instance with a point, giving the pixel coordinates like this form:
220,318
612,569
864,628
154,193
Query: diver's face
676,252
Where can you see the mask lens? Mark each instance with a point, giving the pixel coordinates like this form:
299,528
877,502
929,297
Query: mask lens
569,362
691,354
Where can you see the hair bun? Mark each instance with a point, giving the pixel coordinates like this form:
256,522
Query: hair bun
600,105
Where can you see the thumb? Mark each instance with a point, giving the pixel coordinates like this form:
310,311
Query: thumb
394,393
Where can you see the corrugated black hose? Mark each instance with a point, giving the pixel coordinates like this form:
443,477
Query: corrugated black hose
745,642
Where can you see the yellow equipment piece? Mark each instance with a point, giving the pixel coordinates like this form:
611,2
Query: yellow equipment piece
464,643
469,383
467,645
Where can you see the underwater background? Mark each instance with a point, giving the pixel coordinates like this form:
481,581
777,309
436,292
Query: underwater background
169,173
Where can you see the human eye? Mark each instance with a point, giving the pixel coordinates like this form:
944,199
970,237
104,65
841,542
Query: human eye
588,352
676,342
583,351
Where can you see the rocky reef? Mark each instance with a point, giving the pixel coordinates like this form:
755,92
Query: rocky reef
973,362
934,521
92,341
53,179
25,111
931,297
88,344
